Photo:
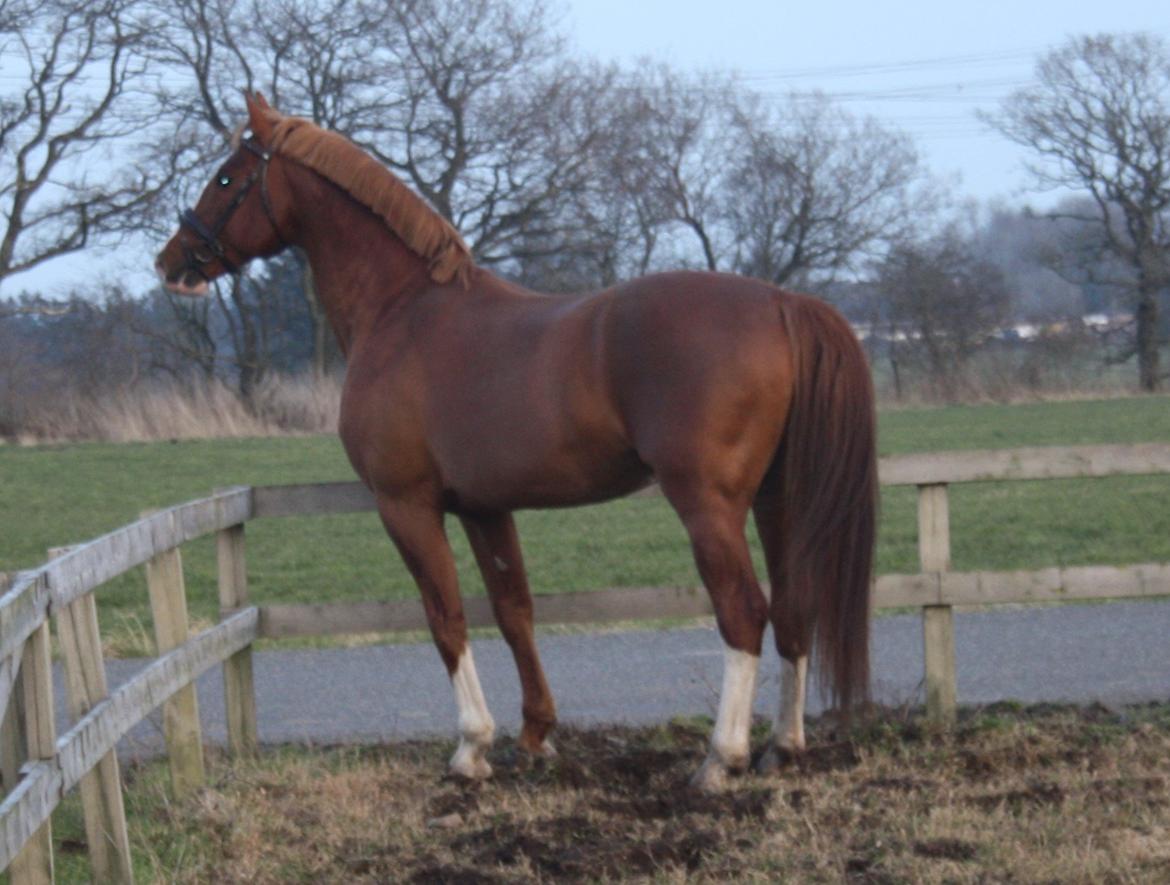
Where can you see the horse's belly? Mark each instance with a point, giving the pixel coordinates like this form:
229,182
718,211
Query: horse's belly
563,479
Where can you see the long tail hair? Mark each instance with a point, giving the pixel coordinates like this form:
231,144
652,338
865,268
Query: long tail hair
829,483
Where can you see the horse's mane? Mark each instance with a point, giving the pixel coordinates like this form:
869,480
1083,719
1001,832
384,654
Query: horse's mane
337,159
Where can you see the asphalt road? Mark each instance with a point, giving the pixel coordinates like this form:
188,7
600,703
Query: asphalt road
1115,653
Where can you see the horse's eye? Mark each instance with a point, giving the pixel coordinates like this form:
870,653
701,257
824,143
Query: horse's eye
225,180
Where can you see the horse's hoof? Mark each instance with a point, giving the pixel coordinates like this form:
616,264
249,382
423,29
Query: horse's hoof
775,759
469,763
711,777
545,751
479,770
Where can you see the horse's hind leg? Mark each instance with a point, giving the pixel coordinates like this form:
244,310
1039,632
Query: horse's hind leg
792,624
716,529
418,533
497,551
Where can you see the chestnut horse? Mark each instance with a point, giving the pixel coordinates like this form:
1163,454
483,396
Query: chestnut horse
468,395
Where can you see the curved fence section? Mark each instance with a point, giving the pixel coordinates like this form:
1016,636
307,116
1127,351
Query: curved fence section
39,769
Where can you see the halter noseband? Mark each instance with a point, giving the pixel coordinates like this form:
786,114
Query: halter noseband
209,236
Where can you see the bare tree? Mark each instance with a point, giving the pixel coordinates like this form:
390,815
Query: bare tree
684,127
314,57
70,96
1098,117
600,223
496,125
942,303
472,103
811,189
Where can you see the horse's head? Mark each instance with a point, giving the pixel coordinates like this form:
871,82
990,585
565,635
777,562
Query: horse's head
239,216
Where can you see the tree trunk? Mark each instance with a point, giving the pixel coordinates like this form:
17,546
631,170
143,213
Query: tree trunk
1149,371
249,360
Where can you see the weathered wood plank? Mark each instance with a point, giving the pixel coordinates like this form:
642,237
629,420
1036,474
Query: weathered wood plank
34,864
12,745
901,591
239,691
22,609
395,615
181,730
26,808
1042,462
623,604
934,529
1041,585
91,564
380,616
99,731
9,671
643,603
96,734
595,606
938,646
103,809
938,621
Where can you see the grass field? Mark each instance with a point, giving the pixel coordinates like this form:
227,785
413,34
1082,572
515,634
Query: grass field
56,495
1041,795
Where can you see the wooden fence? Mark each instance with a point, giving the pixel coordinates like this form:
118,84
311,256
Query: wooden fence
39,768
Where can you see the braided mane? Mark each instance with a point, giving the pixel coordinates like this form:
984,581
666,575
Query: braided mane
337,159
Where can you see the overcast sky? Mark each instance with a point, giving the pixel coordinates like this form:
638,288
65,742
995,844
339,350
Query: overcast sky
923,66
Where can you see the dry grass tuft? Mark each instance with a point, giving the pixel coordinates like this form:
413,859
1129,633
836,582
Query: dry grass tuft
145,413
1041,795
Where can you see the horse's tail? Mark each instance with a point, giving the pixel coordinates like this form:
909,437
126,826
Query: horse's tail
827,464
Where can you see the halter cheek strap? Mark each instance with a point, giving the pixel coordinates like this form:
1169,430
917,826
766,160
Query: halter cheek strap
209,236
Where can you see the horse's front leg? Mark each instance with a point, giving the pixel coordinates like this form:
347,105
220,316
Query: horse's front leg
418,533
497,551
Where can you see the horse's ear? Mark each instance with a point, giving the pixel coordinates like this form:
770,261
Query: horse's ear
259,121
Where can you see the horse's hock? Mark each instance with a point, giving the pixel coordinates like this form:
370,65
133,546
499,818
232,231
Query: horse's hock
39,768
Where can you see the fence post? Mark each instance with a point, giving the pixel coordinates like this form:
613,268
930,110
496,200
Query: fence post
238,688
938,623
168,606
101,788
33,698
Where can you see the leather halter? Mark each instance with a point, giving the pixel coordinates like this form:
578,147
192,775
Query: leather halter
209,236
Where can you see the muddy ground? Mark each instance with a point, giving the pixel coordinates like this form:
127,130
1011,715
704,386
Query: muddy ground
1030,795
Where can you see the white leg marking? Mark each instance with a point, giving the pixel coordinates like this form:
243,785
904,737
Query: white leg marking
788,729
730,747
476,726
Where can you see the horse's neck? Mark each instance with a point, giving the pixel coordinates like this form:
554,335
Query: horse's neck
358,263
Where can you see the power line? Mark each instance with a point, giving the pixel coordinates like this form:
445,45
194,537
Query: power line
896,67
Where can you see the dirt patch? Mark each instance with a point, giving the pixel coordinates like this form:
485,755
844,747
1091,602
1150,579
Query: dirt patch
1037,793
453,875
1152,792
1055,794
946,849
896,785
578,848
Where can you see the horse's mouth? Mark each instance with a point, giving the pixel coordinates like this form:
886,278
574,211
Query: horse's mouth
186,283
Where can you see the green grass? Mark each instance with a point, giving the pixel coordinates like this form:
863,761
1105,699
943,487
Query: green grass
56,495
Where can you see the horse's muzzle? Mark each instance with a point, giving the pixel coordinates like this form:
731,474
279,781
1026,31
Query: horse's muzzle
185,282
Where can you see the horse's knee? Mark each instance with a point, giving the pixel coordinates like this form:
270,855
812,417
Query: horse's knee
741,615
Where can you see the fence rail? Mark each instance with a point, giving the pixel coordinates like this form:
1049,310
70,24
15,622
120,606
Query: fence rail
39,768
